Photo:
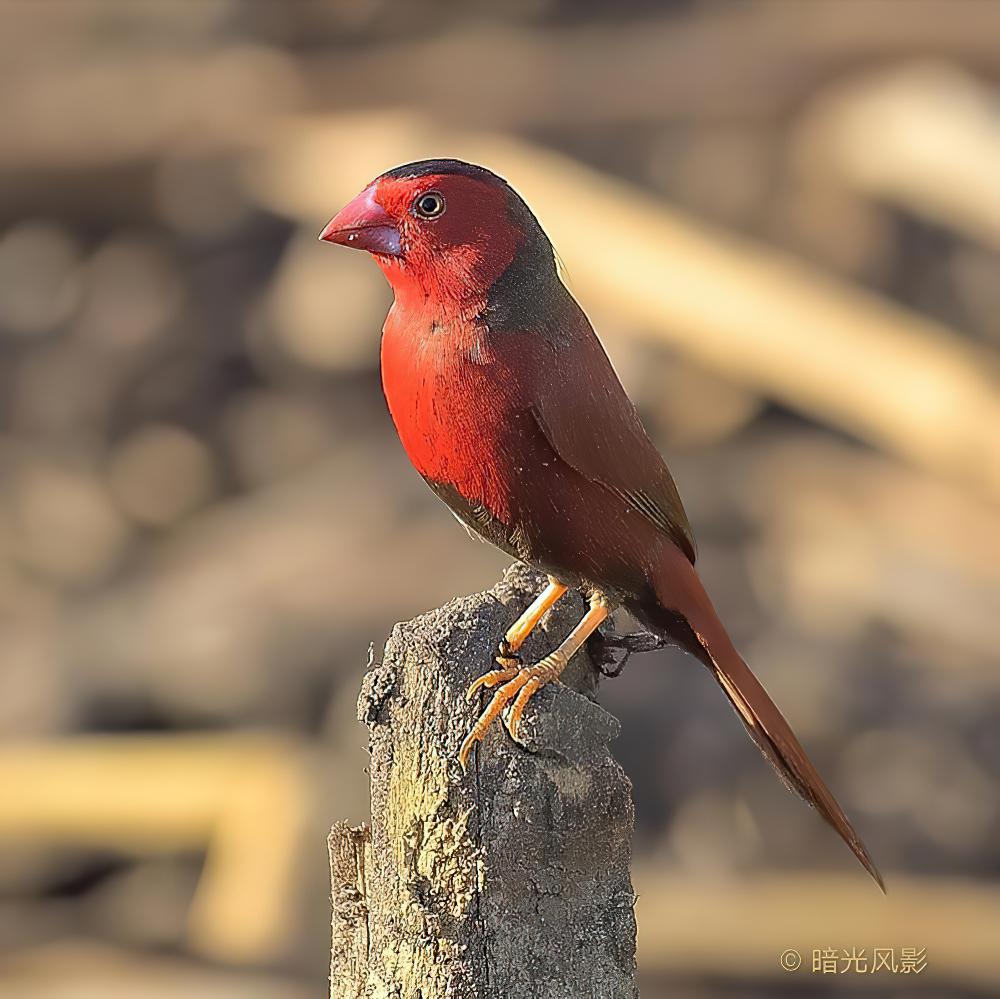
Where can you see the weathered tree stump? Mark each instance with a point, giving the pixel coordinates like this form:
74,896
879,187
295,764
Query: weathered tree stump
511,881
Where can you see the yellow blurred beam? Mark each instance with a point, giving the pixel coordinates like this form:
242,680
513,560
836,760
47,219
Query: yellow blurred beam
723,61
760,317
713,62
924,137
738,928
85,968
840,530
244,800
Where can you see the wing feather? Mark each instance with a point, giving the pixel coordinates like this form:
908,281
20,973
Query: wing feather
592,424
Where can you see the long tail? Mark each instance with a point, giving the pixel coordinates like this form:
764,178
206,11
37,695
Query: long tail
697,626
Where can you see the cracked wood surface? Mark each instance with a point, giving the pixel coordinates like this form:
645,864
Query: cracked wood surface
512,880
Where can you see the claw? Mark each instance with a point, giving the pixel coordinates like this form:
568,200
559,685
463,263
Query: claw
507,692
465,751
507,652
517,685
537,677
492,678
521,702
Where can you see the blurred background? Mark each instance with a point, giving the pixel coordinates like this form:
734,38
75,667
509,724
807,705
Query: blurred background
784,219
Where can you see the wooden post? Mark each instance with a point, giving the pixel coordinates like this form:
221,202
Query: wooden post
512,880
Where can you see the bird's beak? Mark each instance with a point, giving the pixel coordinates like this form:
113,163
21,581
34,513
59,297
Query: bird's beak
364,224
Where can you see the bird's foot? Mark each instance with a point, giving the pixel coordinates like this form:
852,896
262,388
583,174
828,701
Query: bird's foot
603,647
517,684
510,666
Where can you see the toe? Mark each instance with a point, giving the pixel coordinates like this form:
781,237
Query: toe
521,702
490,679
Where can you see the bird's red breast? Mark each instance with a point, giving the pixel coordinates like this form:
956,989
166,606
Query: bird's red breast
453,401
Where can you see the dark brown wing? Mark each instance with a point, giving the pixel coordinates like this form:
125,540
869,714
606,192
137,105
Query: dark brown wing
589,420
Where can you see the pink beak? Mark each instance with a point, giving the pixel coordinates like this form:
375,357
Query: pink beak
364,224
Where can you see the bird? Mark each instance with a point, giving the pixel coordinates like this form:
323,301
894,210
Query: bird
508,406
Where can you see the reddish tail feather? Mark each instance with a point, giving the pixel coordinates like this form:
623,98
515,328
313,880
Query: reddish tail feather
695,624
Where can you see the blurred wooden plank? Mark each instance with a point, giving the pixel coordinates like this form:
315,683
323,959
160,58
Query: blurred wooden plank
835,352
924,137
101,104
843,540
738,927
243,799
91,110
76,968
749,59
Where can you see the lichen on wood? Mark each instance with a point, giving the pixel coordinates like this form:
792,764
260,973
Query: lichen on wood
511,880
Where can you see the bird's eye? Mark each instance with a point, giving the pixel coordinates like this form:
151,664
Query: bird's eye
429,205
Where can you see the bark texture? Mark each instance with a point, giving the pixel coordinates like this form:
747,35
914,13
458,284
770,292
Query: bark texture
511,881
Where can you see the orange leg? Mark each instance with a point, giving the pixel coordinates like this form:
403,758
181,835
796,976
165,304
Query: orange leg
518,632
520,685
516,636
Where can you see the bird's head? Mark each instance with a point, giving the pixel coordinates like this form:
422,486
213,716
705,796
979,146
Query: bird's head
443,231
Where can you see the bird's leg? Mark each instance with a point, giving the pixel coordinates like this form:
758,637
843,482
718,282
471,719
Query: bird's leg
515,637
519,631
526,682
550,668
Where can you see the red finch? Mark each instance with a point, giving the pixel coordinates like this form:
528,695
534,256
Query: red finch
508,406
